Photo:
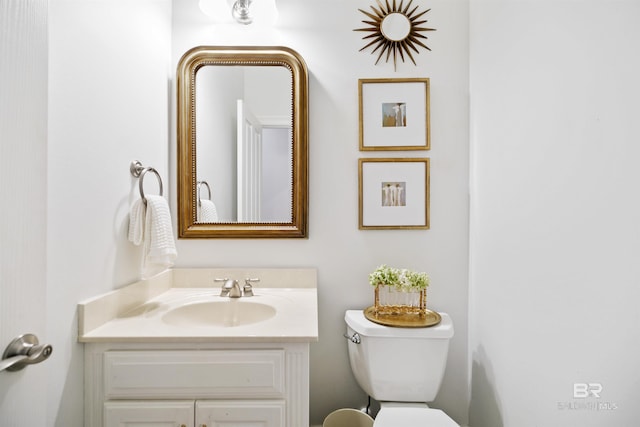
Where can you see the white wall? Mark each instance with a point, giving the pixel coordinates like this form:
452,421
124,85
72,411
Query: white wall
276,192
555,238
322,32
217,127
108,105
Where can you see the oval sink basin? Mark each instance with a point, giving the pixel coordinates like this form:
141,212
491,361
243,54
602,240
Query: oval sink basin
233,312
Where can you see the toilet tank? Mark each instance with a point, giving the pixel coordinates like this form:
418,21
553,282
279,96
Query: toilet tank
398,364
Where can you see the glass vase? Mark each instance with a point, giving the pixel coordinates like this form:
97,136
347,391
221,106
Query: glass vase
392,301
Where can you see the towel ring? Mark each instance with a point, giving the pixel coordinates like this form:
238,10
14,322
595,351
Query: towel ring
200,184
139,171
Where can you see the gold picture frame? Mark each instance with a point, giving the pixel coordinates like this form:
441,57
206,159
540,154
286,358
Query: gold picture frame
394,114
393,193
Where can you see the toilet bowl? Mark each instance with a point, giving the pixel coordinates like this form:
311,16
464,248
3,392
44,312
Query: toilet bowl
392,414
402,368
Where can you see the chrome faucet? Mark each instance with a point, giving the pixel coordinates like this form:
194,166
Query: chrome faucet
231,288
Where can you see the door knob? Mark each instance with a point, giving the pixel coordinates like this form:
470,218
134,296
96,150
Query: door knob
22,351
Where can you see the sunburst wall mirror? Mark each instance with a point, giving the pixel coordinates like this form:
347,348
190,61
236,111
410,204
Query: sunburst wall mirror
395,30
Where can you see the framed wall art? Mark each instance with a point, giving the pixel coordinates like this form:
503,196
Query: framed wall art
394,114
393,193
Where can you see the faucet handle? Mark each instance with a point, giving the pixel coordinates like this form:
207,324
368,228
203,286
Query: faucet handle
248,289
224,290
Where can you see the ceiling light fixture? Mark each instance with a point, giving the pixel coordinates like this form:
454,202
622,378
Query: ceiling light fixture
260,12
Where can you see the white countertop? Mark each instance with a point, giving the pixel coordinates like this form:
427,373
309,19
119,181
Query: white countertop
135,313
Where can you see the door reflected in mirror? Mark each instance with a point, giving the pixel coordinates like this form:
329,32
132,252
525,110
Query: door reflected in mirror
242,143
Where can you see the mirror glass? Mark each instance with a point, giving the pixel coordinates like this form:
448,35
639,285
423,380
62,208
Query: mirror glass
395,26
242,143
248,178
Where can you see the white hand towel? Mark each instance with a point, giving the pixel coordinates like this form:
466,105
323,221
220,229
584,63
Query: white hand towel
150,225
162,247
207,212
136,222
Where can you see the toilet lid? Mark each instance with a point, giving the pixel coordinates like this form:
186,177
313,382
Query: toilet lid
413,417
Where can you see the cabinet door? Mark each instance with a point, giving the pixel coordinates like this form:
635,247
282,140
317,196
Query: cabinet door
240,413
151,413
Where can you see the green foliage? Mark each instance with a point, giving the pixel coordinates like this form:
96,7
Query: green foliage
400,279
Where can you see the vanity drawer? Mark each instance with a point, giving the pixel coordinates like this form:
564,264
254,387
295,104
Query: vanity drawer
194,374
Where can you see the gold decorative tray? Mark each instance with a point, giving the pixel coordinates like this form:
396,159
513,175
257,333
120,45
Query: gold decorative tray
429,318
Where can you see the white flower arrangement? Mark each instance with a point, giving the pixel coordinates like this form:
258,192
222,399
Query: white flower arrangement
401,279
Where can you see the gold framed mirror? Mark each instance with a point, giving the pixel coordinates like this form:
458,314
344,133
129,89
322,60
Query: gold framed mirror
242,115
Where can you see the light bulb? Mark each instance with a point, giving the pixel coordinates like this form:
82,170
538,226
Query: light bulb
260,12
241,12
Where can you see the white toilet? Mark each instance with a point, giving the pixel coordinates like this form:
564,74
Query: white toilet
402,368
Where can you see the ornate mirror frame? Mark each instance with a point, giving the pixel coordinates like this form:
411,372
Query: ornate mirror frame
189,64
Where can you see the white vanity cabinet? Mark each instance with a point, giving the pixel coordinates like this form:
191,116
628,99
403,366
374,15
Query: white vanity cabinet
197,384
155,358
201,413
156,413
